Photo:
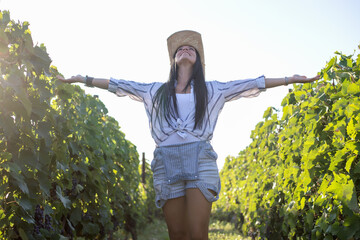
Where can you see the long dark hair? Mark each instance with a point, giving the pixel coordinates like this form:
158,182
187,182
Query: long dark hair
166,94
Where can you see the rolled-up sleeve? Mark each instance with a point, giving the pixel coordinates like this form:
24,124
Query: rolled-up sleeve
236,89
134,90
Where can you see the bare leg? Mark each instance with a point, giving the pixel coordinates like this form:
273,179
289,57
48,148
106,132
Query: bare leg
198,211
175,217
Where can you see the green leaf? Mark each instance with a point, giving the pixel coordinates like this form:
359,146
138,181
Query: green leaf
70,225
23,234
90,228
76,215
39,109
330,64
348,196
349,62
268,112
357,168
15,172
310,217
349,162
333,228
353,88
44,182
353,109
48,210
302,203
17,82
25,203
8,126
28,218
350,227
28,157
325,183
5,17
44,157
5,155
343,187
65,201
43,130
14,167
41,84
40,60
62,166
320,200
287,112
336,161
300,95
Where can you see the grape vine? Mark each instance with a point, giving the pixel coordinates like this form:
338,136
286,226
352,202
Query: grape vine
300,176
67,170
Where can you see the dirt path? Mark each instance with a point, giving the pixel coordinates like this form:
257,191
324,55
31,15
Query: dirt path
217,231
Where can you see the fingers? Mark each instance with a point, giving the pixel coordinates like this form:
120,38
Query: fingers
303,79
73,79
77,78
60,78
297,76
317,77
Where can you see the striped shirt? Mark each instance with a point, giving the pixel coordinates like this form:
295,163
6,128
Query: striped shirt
218,94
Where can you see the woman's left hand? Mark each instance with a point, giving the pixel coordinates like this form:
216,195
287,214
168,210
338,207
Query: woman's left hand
302,79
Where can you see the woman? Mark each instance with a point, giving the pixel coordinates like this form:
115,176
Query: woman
182,114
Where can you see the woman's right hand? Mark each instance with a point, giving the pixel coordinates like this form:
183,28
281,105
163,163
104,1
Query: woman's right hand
73,79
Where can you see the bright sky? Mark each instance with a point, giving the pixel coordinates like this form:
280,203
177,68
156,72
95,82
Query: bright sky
242,39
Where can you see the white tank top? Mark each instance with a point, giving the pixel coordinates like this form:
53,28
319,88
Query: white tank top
185,104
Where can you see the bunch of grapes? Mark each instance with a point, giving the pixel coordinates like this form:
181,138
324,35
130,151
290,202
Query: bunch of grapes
39,216
48,223
39,220
74,184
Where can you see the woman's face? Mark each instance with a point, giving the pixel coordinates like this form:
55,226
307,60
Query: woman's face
185,55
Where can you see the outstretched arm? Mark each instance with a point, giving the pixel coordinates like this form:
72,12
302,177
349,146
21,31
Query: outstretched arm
96,82
275,82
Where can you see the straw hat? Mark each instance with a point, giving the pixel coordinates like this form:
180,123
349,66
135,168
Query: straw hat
182,38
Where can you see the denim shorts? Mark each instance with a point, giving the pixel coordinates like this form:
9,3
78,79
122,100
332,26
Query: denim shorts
179,167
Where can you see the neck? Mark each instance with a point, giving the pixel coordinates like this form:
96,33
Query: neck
183,77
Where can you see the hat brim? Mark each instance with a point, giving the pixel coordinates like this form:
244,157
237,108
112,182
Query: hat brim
185,38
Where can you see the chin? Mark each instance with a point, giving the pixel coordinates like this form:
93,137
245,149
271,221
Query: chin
185,60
